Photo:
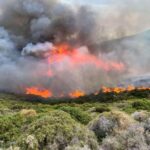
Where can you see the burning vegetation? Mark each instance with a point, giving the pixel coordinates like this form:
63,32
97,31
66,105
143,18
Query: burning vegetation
78,93
74,59
38,92
60,49
74,75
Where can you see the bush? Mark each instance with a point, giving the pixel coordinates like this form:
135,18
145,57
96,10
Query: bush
28,112
5,111
17,107
56,131
101,109
102,127
132,139
11,126
110,123
77,114
140,116
76,147
147,130
142,105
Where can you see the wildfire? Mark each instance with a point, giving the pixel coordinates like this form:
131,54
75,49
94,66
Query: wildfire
45,93
76,58
121,89
77,94
38,92
64,56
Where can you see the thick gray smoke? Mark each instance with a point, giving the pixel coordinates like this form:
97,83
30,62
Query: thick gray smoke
30,31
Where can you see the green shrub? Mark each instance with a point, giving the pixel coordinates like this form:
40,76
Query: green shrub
142,105
77,114
11,127
5,111
101,109
57,130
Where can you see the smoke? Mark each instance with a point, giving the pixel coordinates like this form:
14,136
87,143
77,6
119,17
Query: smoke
34,35
38,49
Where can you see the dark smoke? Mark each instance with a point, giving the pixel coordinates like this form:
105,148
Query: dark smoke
31,28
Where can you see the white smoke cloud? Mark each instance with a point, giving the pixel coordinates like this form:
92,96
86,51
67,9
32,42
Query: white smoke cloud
39,49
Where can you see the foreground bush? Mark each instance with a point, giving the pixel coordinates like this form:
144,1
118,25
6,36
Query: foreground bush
110,123
133,138
147,131
11,126
77,114
141,116
56,131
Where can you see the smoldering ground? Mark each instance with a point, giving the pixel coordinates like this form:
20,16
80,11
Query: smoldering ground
30,29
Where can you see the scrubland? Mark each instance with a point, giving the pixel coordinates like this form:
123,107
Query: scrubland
89,123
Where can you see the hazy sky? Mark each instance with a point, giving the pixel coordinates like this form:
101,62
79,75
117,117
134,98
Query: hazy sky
132,15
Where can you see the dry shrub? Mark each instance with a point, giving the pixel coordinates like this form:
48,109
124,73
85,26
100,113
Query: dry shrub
28,112
76,147
131,139
141,115
110,124
123,120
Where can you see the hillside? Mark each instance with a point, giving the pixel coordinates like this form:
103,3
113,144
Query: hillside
86,123
122,43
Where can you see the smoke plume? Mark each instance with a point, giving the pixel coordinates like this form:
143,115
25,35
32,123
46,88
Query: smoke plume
64,46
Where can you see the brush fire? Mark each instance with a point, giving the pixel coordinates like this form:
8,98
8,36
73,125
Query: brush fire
60,54
60,49
74,59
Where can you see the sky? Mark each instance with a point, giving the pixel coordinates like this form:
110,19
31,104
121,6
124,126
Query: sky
133,14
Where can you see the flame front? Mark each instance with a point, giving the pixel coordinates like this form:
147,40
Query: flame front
39,92
123,89
45,93
77,94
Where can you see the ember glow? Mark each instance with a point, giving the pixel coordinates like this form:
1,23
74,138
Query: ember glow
38,92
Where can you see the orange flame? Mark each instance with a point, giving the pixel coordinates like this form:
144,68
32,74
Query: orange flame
121,89
38,92
76,57
77,94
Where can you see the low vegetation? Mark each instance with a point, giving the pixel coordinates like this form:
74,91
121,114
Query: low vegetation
119,123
